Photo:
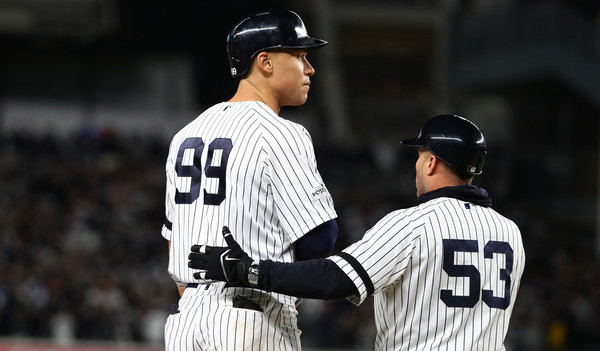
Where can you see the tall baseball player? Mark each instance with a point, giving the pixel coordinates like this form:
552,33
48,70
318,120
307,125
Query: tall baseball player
444,274
240,164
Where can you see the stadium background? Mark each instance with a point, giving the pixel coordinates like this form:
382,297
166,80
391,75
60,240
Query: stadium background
92,91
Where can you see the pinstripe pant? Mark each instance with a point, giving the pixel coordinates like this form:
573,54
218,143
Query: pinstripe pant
206,319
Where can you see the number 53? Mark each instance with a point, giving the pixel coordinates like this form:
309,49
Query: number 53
469,271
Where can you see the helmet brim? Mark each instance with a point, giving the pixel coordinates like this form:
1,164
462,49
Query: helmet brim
414,142
311,43
300,43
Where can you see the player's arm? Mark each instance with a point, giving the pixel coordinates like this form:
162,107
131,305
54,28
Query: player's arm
180,289
169,205
317,243
314,279
317,279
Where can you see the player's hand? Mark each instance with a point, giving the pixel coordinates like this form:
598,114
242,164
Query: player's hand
230,264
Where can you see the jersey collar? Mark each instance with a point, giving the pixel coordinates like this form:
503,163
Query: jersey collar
469,193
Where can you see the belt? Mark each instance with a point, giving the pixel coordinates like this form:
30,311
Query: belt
205,286
195,285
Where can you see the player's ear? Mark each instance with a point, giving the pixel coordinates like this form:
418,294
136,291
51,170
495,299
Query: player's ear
431,163
263,62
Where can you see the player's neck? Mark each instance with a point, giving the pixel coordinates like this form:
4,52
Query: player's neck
443,180
248,91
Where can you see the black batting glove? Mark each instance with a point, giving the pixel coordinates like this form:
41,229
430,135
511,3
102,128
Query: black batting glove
229,264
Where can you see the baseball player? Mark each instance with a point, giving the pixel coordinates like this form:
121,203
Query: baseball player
444,274
242,165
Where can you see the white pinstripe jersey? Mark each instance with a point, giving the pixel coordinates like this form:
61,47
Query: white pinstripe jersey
445,275
241,165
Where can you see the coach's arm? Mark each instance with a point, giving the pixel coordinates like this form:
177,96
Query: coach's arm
315,279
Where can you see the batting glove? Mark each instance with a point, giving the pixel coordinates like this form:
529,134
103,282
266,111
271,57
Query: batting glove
230,264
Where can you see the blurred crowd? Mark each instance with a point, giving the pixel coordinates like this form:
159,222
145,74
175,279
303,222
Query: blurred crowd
82,257
81,251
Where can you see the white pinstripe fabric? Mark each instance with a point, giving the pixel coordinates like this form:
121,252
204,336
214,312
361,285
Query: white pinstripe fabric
274,193
403,256
207,321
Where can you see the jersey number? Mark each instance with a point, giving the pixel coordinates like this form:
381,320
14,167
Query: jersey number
194,171
452,246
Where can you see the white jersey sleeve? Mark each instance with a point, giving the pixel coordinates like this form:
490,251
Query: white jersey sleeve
383,254
302,200
169,196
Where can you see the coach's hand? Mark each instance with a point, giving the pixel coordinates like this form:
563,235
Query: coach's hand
230,264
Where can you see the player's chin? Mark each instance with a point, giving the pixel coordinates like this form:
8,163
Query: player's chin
300,100
303,93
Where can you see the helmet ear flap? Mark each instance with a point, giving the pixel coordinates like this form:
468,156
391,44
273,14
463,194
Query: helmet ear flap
476,166
234,64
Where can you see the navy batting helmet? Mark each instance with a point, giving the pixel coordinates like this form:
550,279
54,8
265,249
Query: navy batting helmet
275,29
454,140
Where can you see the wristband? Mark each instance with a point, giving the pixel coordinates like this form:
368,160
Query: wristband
253,274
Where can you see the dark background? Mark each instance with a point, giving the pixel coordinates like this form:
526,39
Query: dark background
92,90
